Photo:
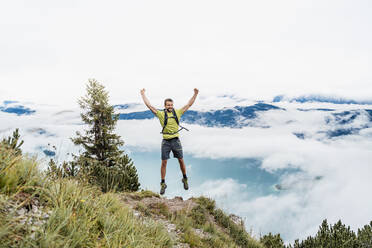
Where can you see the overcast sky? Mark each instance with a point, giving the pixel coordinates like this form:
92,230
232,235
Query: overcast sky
254,49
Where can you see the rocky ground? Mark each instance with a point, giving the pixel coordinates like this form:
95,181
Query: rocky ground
146,206
159,208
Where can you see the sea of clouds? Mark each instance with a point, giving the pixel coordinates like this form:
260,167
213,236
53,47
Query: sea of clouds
331,176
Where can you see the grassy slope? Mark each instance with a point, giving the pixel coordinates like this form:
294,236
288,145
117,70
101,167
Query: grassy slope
38,212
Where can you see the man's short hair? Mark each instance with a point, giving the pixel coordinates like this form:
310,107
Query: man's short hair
167,100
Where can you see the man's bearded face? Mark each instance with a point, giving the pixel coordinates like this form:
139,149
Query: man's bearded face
169,106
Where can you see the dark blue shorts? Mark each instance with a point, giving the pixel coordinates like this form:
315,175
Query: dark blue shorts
173,145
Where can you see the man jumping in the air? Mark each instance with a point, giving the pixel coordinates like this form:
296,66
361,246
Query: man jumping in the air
169,120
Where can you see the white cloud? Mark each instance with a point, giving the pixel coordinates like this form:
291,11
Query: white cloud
332,182
220,189
331,179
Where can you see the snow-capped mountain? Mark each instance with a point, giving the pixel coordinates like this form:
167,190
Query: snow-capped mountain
320,98
234,117
14,107
335,117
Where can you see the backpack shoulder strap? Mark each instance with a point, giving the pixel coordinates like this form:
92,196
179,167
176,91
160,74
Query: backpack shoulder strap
165,120
176,117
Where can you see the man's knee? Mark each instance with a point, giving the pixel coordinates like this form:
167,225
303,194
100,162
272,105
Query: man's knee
164,162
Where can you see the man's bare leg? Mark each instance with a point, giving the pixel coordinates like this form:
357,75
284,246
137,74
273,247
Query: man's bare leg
182,166
163,169
162,172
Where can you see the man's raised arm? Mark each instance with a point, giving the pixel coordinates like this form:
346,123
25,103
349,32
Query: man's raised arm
191,101
147,102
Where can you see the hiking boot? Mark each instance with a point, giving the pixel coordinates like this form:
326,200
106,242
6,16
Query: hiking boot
163,187
185,184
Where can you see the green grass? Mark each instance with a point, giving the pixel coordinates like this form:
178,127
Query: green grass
146,193
199,215
181,220
18,173
81,215
236,232
217,238
215,242
143,209
209,228
159,208
141,194
192,239
207,203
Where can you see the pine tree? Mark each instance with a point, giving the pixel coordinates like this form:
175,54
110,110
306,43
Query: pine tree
102,158
365,236
272,241
12,142
99,142
330,236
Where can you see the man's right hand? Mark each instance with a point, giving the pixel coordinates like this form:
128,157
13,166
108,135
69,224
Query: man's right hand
142,91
